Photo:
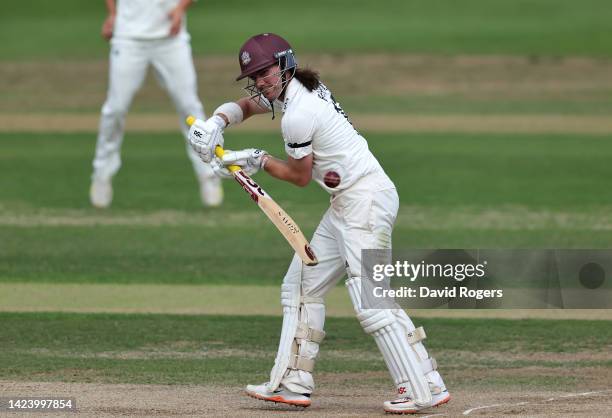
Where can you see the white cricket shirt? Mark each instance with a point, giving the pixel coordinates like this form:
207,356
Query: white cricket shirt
313,122
145,19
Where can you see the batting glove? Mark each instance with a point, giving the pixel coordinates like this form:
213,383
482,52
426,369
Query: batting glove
223,172
204,136
219,169
249,159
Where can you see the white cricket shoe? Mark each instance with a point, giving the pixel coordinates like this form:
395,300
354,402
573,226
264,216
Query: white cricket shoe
406,405
211,191
281,395
101,193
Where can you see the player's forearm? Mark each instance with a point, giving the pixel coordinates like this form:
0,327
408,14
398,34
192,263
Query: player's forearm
184,4
250,107
111,7
236,112
284,170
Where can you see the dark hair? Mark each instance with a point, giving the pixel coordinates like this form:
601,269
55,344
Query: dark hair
309,78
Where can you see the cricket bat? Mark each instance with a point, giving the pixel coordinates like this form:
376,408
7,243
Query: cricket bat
283,222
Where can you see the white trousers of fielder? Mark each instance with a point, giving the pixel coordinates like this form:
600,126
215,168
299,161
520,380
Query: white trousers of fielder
172,63
361,217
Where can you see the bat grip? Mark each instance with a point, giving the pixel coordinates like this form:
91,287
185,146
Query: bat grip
219,151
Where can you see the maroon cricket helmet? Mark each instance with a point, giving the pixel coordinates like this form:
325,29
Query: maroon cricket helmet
262,51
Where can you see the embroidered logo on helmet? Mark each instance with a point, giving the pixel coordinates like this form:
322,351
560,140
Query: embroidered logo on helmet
245,58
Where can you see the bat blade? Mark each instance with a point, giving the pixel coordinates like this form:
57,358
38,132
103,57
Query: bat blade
283,222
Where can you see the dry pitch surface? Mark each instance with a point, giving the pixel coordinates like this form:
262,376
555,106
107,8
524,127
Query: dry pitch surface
332,399
352,394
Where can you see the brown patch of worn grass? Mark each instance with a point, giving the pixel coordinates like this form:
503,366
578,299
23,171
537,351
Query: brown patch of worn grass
50,85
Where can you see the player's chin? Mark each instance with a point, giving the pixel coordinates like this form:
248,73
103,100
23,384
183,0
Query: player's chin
271,95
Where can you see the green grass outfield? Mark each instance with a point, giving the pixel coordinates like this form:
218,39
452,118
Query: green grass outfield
230,299
70,28
234,350
456,190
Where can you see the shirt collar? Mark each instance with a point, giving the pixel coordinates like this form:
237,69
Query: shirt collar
294,87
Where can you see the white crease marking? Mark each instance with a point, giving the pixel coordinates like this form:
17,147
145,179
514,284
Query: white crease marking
469,411
571,395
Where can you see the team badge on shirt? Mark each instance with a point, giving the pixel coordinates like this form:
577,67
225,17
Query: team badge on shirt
245,58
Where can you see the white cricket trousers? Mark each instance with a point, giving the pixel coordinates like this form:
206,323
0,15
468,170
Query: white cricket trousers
172,63
360,217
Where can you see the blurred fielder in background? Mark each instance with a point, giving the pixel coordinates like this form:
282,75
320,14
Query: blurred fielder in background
321,144
143,33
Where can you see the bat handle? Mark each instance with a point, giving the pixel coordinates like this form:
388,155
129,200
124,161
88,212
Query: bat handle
190,119
219,151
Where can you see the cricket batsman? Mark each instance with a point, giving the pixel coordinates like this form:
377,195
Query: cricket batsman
322,144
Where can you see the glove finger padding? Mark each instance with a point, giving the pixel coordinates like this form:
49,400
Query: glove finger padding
250,170
236,157
204,136
245,157
220,170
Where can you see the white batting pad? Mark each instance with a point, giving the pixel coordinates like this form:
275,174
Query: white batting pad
290,299
402,361
300,338
415,338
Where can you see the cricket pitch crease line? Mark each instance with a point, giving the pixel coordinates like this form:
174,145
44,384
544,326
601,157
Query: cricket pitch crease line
571,395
